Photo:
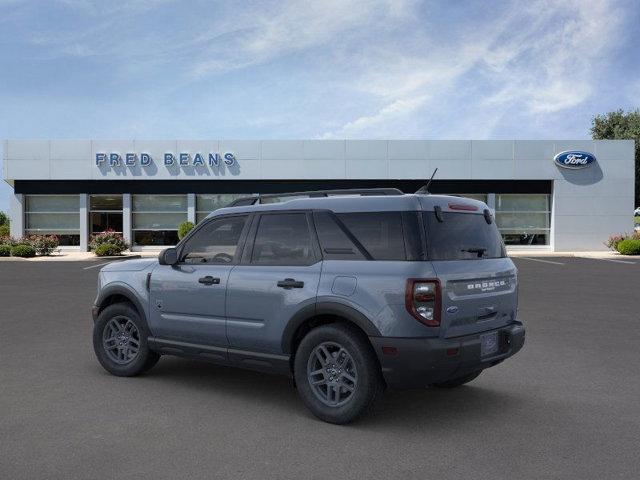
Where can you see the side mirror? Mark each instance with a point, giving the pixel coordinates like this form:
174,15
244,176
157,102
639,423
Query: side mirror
168,256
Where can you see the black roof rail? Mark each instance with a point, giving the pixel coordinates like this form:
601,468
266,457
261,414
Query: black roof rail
256,199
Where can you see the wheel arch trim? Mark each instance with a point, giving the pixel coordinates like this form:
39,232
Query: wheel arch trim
337,309
122,290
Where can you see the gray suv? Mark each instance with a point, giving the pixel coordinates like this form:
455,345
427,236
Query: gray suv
346,292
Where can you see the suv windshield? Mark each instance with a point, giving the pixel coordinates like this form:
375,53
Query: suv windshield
462,236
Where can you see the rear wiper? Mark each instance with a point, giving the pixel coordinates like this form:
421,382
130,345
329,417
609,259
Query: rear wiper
479,250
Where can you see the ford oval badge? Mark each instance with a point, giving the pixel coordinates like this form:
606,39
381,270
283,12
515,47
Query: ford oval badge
574,159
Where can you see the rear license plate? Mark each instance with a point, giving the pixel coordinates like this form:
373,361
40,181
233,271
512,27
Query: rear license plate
489,344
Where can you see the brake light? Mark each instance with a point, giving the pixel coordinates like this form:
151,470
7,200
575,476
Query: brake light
463,206
422,299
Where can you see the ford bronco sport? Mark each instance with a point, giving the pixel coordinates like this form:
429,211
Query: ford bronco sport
347,292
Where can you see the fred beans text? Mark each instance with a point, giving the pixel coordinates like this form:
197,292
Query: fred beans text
169,159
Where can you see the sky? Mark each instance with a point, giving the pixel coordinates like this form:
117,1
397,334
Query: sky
287,69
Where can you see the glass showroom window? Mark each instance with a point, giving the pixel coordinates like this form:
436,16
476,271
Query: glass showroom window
524,219
106,213
156,218
205,204
54,215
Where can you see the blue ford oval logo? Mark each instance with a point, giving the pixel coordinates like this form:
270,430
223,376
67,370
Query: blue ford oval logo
574,159
452,309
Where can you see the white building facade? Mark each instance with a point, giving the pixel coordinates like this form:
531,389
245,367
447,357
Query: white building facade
552,195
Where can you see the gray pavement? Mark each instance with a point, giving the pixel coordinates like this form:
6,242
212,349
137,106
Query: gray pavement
568,406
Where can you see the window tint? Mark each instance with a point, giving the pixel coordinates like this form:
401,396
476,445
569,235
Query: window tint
283,239
380,233
334,242
215,242
462,236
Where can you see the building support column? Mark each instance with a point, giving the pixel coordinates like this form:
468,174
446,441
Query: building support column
17,215
84,222
491,202
191,207
126,219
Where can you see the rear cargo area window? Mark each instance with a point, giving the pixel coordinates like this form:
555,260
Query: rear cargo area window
380,233
462,236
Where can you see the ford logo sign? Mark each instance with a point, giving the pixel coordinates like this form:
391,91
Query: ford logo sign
574,159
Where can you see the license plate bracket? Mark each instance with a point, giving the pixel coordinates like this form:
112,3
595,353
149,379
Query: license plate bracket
489,344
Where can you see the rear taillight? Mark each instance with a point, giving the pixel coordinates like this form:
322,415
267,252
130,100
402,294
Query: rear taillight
422,299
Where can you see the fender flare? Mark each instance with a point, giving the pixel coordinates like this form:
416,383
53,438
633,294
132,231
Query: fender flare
326,308
125,291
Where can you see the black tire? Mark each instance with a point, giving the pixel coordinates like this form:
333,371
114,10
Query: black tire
361,360
139,362
456,382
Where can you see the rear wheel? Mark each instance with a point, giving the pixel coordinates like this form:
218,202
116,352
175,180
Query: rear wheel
120,341
337,374
456,382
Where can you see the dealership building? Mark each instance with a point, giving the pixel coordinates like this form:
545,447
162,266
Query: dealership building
548,194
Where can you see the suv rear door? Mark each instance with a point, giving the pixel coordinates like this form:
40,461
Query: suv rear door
278,275
478,280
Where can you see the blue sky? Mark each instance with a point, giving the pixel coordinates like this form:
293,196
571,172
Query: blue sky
322,69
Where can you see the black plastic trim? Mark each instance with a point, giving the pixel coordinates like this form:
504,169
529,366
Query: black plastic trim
109,291
325,308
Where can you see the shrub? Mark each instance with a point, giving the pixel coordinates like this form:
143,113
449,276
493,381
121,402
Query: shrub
4,231
4,218
630,246
184,228
108,237
613,241
44,244
5,250
23,250
108,250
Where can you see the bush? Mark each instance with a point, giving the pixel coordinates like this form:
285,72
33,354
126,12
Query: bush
108,250
4,231
4,219
5,250
630,246
184,228
44,244
23,250
108,237
613,241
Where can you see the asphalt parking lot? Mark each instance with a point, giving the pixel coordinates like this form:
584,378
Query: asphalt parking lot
568,406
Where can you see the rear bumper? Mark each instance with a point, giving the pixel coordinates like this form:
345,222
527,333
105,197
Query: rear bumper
418,362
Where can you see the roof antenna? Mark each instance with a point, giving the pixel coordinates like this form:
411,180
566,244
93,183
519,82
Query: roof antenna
425,188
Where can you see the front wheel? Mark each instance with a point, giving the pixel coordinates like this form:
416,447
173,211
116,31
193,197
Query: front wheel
120,341
337,374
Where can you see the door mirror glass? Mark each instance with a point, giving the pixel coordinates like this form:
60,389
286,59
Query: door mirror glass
168,256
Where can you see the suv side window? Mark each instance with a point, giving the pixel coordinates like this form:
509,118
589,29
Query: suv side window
380,233
283,239
334,242
215,242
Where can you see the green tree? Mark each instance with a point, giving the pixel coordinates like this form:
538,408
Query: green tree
4,218
620,125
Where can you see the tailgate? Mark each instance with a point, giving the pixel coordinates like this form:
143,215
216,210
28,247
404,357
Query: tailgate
477,295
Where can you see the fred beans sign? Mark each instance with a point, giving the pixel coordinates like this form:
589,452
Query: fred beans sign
169,159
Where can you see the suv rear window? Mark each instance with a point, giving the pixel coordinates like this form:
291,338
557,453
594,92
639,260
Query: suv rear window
462,236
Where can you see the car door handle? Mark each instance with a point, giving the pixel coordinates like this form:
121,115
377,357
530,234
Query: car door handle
209,280
289,283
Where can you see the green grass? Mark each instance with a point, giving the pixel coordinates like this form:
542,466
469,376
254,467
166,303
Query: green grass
637,219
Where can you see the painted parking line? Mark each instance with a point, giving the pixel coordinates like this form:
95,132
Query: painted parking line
612,260
98,265
540,260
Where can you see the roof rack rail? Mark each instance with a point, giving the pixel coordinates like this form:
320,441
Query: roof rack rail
257,199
